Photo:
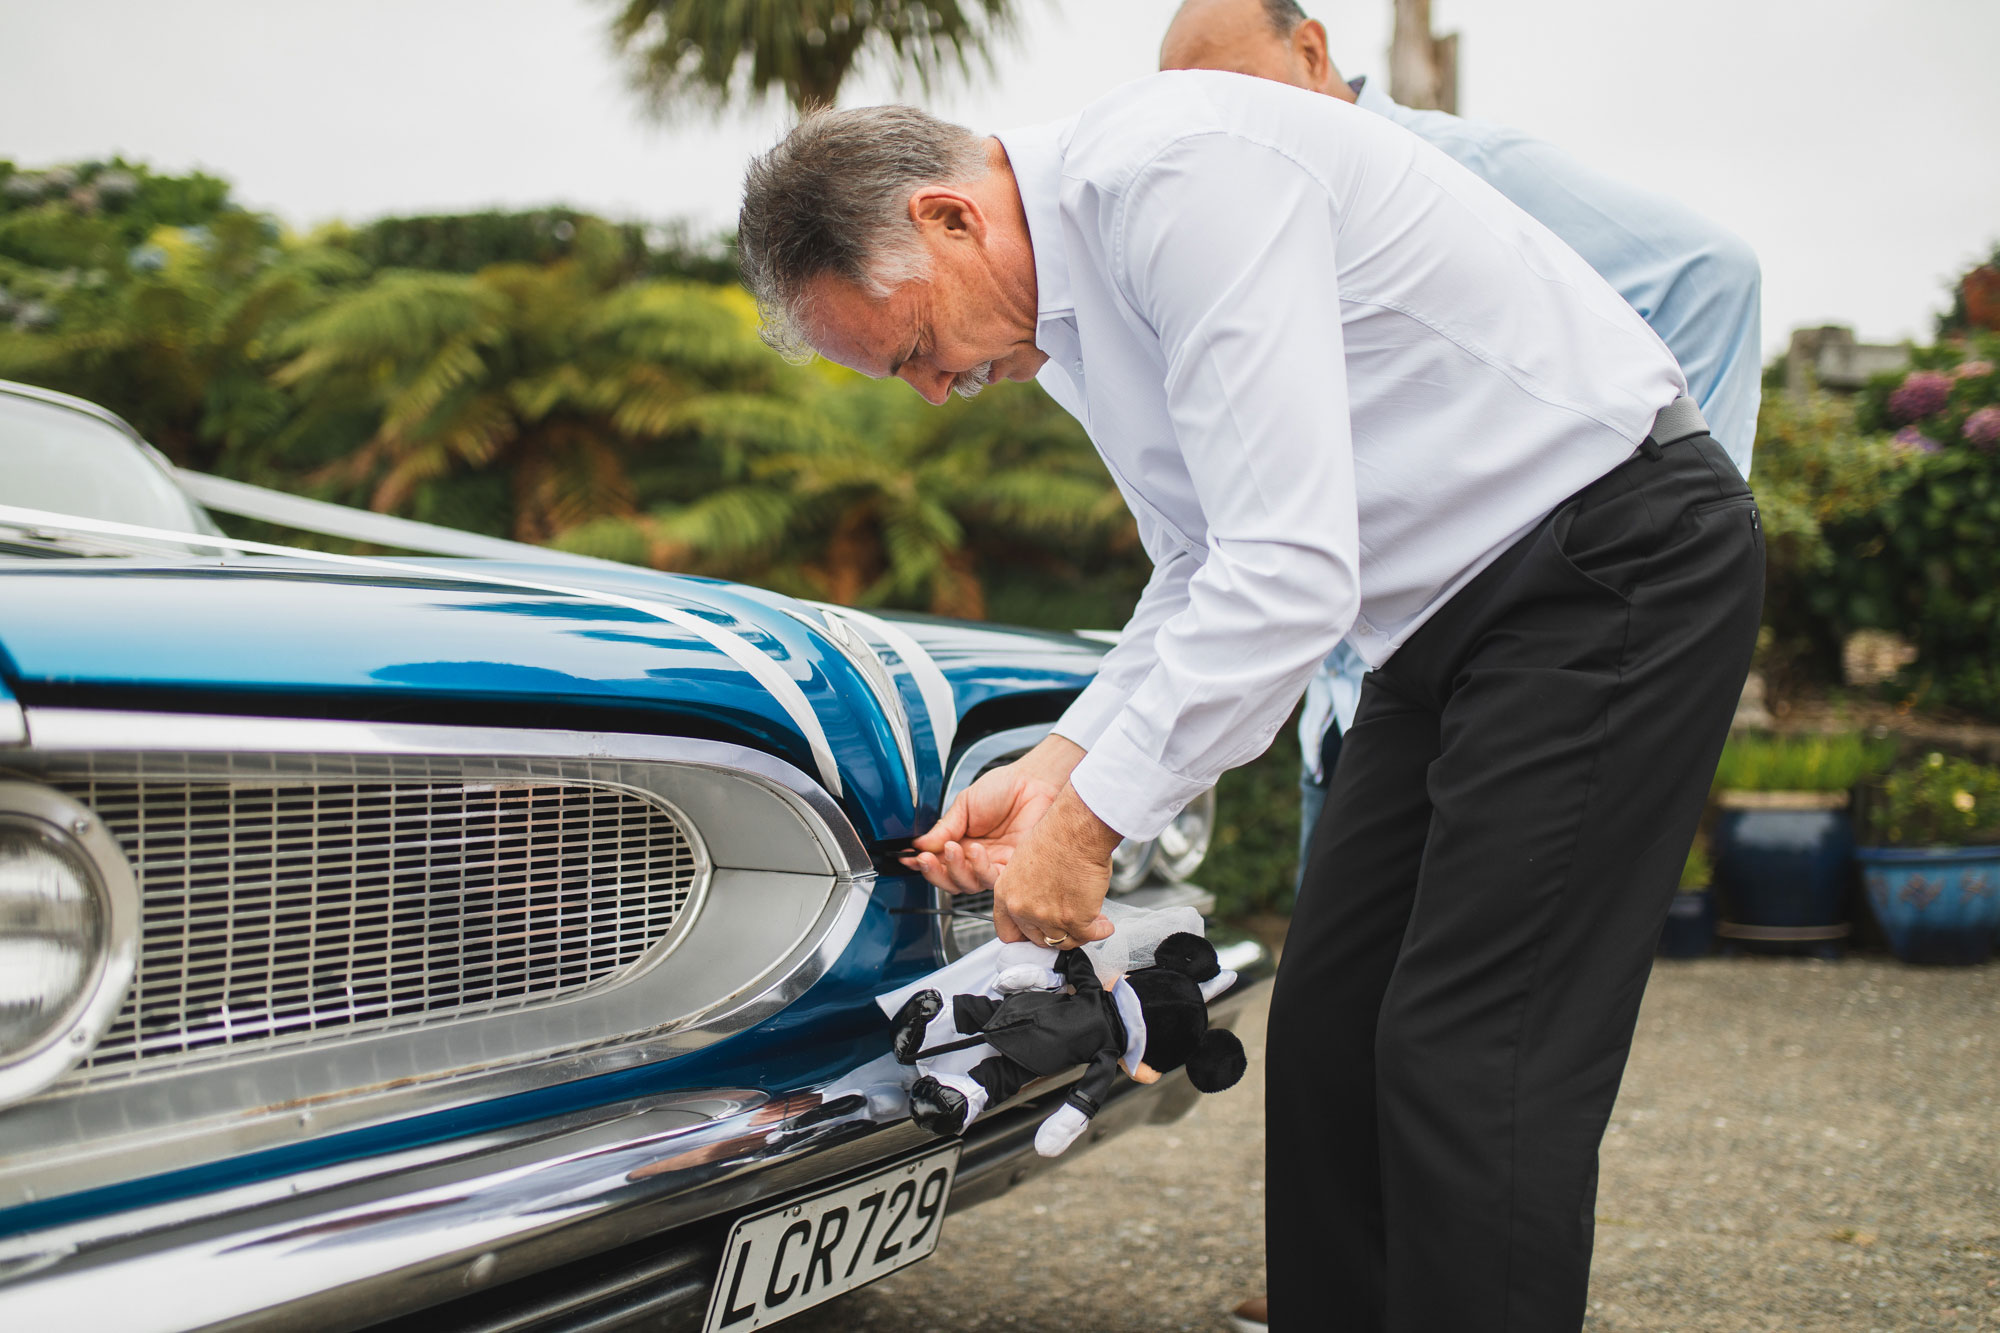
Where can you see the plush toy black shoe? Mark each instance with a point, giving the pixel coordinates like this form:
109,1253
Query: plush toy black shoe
936,1108
911,1020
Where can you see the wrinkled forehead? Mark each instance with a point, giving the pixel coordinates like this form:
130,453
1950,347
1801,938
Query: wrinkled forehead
853,327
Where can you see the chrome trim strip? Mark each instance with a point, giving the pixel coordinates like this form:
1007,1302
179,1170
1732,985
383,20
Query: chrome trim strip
354,1244
328,1254
24,1248
769,984
940,705
775,680
227,496
66,730
987,750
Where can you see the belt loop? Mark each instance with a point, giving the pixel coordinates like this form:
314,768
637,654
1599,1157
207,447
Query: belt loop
1650,447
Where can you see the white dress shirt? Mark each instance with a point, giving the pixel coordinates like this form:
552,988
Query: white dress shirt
1333,373
1695,283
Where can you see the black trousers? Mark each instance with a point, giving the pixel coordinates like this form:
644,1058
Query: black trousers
1480,904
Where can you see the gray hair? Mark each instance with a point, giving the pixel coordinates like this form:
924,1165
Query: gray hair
831,199
1284,16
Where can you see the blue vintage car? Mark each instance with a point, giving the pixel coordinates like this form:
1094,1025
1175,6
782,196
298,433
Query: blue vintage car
475,939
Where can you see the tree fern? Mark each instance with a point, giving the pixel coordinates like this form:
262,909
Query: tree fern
706,54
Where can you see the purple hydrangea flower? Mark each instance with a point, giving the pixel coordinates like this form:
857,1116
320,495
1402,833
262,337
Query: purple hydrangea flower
1982,428
1921,393
1971,370
1910,440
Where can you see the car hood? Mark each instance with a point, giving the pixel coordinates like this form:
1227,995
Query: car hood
550,646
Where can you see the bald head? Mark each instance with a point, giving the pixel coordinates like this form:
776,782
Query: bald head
1267,39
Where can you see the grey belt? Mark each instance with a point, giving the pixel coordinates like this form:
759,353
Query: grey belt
1677,421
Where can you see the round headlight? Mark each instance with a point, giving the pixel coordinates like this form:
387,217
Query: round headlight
51,935
68,910
1183,843
1130,861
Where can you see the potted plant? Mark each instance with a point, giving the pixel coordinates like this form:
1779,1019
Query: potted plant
1783,839
1932,866
1690,928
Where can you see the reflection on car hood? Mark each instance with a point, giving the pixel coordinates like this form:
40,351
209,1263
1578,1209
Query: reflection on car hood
488,641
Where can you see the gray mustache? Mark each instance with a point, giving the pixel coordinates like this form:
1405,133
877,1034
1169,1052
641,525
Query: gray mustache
968,383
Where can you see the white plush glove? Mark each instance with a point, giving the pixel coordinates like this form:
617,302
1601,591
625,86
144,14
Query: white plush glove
1060,1130
1022,951
1027,976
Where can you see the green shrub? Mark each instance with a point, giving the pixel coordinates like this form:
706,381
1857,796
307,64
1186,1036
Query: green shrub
1253,864
1957,319
1832,761
62,216
1926,565
1815,471
1940,801
1697,872
468,242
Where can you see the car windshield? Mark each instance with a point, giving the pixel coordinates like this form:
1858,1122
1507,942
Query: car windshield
56,458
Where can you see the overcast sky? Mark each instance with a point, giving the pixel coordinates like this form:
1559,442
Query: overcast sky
1854,143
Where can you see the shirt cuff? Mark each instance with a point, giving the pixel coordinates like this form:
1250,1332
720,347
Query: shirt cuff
1086,719
1128,789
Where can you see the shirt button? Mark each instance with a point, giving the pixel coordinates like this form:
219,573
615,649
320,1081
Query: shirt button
1079,367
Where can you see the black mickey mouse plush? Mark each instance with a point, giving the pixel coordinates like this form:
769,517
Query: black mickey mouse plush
1036,1020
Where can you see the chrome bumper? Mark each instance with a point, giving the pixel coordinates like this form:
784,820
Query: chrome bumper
648,1186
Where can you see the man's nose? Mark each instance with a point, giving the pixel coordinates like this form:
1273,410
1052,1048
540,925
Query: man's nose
932,384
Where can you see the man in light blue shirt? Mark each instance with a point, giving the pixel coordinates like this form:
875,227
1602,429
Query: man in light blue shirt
1694,283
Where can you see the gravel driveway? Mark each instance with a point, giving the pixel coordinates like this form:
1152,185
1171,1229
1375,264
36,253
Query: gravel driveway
1799,1146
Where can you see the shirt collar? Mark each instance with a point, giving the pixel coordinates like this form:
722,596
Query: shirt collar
1134,1019
1369,95
1036,155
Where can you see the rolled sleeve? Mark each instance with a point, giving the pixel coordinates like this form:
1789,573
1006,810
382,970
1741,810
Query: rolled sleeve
1126,786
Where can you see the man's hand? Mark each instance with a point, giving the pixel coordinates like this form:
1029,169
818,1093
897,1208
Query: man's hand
965,851
1057,877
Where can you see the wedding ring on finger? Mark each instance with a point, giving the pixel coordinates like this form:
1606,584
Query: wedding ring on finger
1057,940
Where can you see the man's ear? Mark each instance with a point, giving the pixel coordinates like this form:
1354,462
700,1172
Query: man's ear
945,211
1309,44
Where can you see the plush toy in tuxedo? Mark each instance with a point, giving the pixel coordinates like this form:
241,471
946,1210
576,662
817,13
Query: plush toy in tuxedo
1044,1013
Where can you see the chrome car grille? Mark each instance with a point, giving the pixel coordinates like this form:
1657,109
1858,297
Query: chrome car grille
279,913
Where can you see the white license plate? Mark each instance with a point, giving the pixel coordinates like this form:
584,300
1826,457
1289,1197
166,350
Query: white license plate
812,1249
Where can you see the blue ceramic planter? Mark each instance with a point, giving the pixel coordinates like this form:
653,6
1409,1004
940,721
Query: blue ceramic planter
1689,931
1936,904
1782,865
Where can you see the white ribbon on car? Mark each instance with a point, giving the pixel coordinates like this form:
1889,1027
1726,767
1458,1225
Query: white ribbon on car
939,705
